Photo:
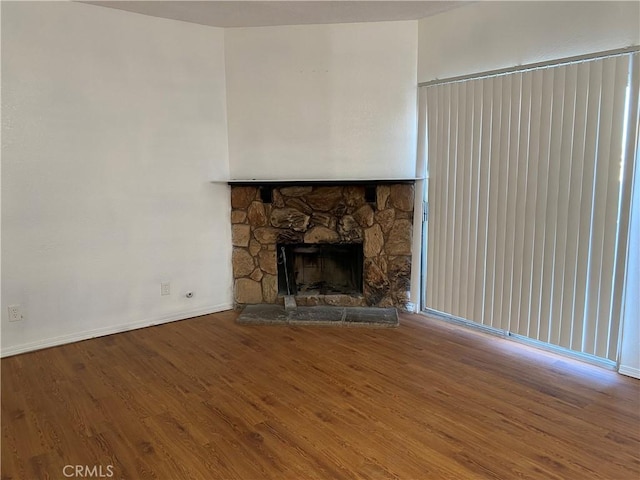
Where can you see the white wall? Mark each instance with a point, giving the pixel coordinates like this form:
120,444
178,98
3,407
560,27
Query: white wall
493,35
113,125
322,101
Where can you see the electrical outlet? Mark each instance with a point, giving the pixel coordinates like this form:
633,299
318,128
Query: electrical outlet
15,313
165,289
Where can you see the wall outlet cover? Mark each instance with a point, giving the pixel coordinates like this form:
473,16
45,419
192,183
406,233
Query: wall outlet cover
15,313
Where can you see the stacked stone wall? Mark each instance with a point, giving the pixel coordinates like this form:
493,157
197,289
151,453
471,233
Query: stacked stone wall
324,214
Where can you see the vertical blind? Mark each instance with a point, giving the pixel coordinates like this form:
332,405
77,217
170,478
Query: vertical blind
524,201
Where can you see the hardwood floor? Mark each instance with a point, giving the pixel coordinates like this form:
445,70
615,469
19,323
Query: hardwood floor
207,398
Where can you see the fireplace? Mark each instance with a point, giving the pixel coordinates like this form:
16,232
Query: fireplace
344,243
320,269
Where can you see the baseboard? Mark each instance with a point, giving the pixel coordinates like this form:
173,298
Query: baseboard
629,371
101,332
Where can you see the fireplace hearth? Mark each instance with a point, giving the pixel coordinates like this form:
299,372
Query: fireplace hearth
344,243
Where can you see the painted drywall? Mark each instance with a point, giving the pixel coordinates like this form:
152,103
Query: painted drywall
493,35
113,125
322,101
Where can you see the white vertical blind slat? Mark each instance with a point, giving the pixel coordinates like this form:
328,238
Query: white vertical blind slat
580,328
519,208
432,153
575,198
485,94
607,332
474,214
458,193
440,221
533,162
501,162
536,312
630,158
466,134
600,209
492,208
564,183
512,266
551,215
451,198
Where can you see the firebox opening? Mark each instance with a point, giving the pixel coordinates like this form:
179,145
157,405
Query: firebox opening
320,269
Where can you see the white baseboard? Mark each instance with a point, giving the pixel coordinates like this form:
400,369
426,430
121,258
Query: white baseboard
101,332
629,371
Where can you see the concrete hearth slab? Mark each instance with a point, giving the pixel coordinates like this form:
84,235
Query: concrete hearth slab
265,314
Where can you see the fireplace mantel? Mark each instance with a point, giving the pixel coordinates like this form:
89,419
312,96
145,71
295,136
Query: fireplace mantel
254,182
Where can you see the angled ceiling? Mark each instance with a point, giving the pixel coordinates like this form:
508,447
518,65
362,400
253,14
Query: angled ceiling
268,13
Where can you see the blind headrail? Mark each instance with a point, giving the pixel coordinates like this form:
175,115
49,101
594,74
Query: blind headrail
533,66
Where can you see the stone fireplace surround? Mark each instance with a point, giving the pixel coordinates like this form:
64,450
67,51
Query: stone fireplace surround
378,214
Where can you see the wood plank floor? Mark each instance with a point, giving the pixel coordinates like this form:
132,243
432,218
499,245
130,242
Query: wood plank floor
207,398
